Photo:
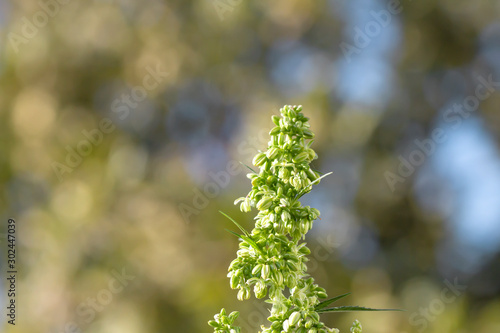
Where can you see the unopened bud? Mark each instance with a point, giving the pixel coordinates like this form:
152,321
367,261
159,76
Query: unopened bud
276,120
259,159
281,139
308,134
256,270
275,130
301,157
265,272
264,203
272,153
294,318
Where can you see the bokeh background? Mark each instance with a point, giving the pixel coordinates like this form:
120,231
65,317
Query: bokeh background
123,124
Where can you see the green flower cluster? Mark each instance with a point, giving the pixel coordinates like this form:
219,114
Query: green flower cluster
272,258
356,327
223,323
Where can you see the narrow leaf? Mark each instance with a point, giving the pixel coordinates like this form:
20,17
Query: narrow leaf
307,189
236,223
317,180
350,308
324,304
248,167
246,239
252,242
237,235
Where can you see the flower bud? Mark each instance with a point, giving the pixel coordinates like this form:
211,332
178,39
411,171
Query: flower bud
296,182
356,327
315,213
272,217
252,176
245,206
260,289
237,201
276,326
287,123
259,159
294,318
275,130
311,174
281,139
266,166
279,192
294,267
247,293
322,294
286,325
264,203
234,264
270,180
304,227
234,282
301,157
311,153
279,278
285,216
304,250
291,281
240,295
272,153
265,272
280,227
308,134
256,270
256,181
276,120
309,323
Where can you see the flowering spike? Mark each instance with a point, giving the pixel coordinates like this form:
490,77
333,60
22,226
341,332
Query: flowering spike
272,257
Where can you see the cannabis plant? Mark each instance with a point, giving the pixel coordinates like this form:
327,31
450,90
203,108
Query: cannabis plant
271,260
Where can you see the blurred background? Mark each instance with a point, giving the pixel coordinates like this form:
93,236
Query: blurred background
124,122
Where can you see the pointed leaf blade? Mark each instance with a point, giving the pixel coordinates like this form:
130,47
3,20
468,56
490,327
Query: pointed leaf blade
324,304
317,180
246,239
248,167
308,188
252,242
234,233
351,308
236,223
